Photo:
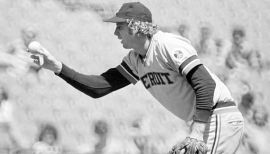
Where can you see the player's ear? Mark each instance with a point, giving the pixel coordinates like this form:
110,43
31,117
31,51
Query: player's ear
141,35
138,34
132,31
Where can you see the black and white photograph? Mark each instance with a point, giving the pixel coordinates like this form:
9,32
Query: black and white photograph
134,77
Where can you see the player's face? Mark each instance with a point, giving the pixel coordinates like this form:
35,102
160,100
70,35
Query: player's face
123,33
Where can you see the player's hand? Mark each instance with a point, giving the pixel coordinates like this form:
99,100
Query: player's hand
189,146
43,57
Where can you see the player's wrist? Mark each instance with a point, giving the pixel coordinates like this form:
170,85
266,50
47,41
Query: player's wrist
58,67
197,130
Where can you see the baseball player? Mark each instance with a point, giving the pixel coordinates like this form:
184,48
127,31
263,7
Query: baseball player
169,68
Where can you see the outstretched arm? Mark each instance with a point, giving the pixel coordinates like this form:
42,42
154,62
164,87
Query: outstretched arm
92,85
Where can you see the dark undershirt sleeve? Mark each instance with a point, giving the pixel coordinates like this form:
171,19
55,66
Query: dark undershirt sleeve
204,87
94,86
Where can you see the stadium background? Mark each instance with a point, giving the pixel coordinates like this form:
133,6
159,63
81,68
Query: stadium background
74,32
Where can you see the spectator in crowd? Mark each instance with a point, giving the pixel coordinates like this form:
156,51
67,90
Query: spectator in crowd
218,57
101,129
246,104
242,52
143,144
212,51
183,30
106,143
141,136
4,60
206,45
256,136
28,35
10,139
222,49
47,142
17,50
242,61
19,46
219,44
11,64
248,146
260,116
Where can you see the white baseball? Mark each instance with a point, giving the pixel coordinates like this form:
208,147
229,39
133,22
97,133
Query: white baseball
36,46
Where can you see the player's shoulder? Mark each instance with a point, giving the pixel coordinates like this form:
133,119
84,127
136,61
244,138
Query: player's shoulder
168,42
166,37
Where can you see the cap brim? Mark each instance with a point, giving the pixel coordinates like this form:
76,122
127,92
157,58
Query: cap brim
115,20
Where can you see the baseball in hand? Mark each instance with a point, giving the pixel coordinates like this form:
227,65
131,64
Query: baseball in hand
38,52
34,45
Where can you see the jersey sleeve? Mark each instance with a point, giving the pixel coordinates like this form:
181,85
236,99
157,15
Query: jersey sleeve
182,54
129,67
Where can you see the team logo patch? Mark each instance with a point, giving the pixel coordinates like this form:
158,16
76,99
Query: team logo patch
178,54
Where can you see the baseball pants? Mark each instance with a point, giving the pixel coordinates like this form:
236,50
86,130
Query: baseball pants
224,130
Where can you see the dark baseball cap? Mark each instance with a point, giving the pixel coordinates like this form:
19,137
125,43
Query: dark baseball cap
132,10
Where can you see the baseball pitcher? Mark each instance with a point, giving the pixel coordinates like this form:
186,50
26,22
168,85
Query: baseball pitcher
169,68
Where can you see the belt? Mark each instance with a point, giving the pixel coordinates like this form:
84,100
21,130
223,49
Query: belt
229,109
225,106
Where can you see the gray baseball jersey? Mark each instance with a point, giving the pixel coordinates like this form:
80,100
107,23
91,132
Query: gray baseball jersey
163,73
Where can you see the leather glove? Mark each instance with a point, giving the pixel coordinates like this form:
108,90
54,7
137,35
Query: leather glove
190,146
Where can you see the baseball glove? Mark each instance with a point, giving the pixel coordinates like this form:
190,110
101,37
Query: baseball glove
190,146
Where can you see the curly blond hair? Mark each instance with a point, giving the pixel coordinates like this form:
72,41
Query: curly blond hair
146,28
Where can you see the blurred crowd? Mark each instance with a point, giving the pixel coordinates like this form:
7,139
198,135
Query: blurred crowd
13,57
47,139
234,60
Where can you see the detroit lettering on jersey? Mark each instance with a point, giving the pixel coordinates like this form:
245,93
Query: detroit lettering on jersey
155,78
